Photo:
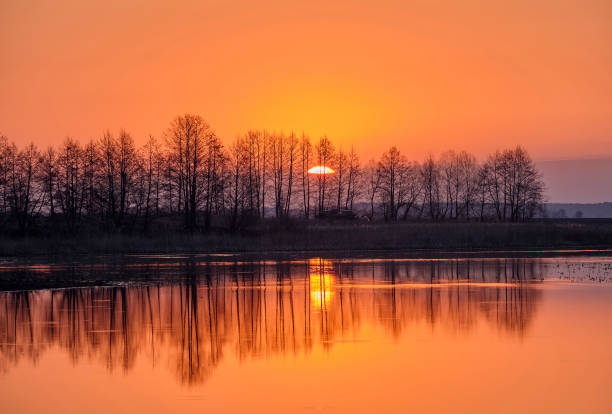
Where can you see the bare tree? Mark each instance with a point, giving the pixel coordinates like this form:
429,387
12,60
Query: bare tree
151,171
392,168
91,166
468,182
432,193
482,190
127,165
277,154
24,197
341,161
237,159
193,146
291,160
6,150
449,174
513,185
254,147
215,163
305,160
526,187
373,178
70,182
411,188
458,173
325,153
496,183
353,179
49,176
107,148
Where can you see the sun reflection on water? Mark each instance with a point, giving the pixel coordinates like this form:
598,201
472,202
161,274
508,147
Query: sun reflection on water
321,283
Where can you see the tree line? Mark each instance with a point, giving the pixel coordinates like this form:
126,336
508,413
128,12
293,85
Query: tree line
189,179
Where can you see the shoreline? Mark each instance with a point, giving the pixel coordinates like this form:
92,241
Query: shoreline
119,271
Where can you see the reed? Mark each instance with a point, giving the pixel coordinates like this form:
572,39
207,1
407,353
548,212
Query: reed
303,236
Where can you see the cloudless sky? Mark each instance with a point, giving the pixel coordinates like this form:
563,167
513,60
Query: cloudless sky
426,75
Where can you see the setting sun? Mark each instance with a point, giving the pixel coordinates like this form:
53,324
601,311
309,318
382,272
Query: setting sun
320,169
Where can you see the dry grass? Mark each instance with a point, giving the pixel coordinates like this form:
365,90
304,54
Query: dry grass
329,237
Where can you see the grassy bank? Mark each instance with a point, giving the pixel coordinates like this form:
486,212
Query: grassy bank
330,237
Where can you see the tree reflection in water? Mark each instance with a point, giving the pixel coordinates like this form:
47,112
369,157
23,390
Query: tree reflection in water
256,309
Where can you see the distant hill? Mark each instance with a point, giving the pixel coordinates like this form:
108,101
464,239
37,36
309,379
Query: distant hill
579,210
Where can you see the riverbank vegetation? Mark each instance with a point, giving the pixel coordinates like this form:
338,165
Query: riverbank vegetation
189,181
271,236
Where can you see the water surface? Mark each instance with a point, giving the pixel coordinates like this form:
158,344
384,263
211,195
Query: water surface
223,334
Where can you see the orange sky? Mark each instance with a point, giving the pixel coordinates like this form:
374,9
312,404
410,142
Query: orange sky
426,75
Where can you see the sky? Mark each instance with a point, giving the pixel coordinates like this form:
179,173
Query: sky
578,180
425,75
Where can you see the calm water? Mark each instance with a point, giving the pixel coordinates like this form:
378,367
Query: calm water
184,334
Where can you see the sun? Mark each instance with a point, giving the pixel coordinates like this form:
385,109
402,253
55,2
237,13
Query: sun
320,169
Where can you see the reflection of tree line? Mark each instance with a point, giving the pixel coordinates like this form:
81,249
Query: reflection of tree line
260,309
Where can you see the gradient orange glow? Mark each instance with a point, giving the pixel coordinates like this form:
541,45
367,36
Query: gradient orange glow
424,75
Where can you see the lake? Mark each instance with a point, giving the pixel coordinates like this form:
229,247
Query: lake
232,334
